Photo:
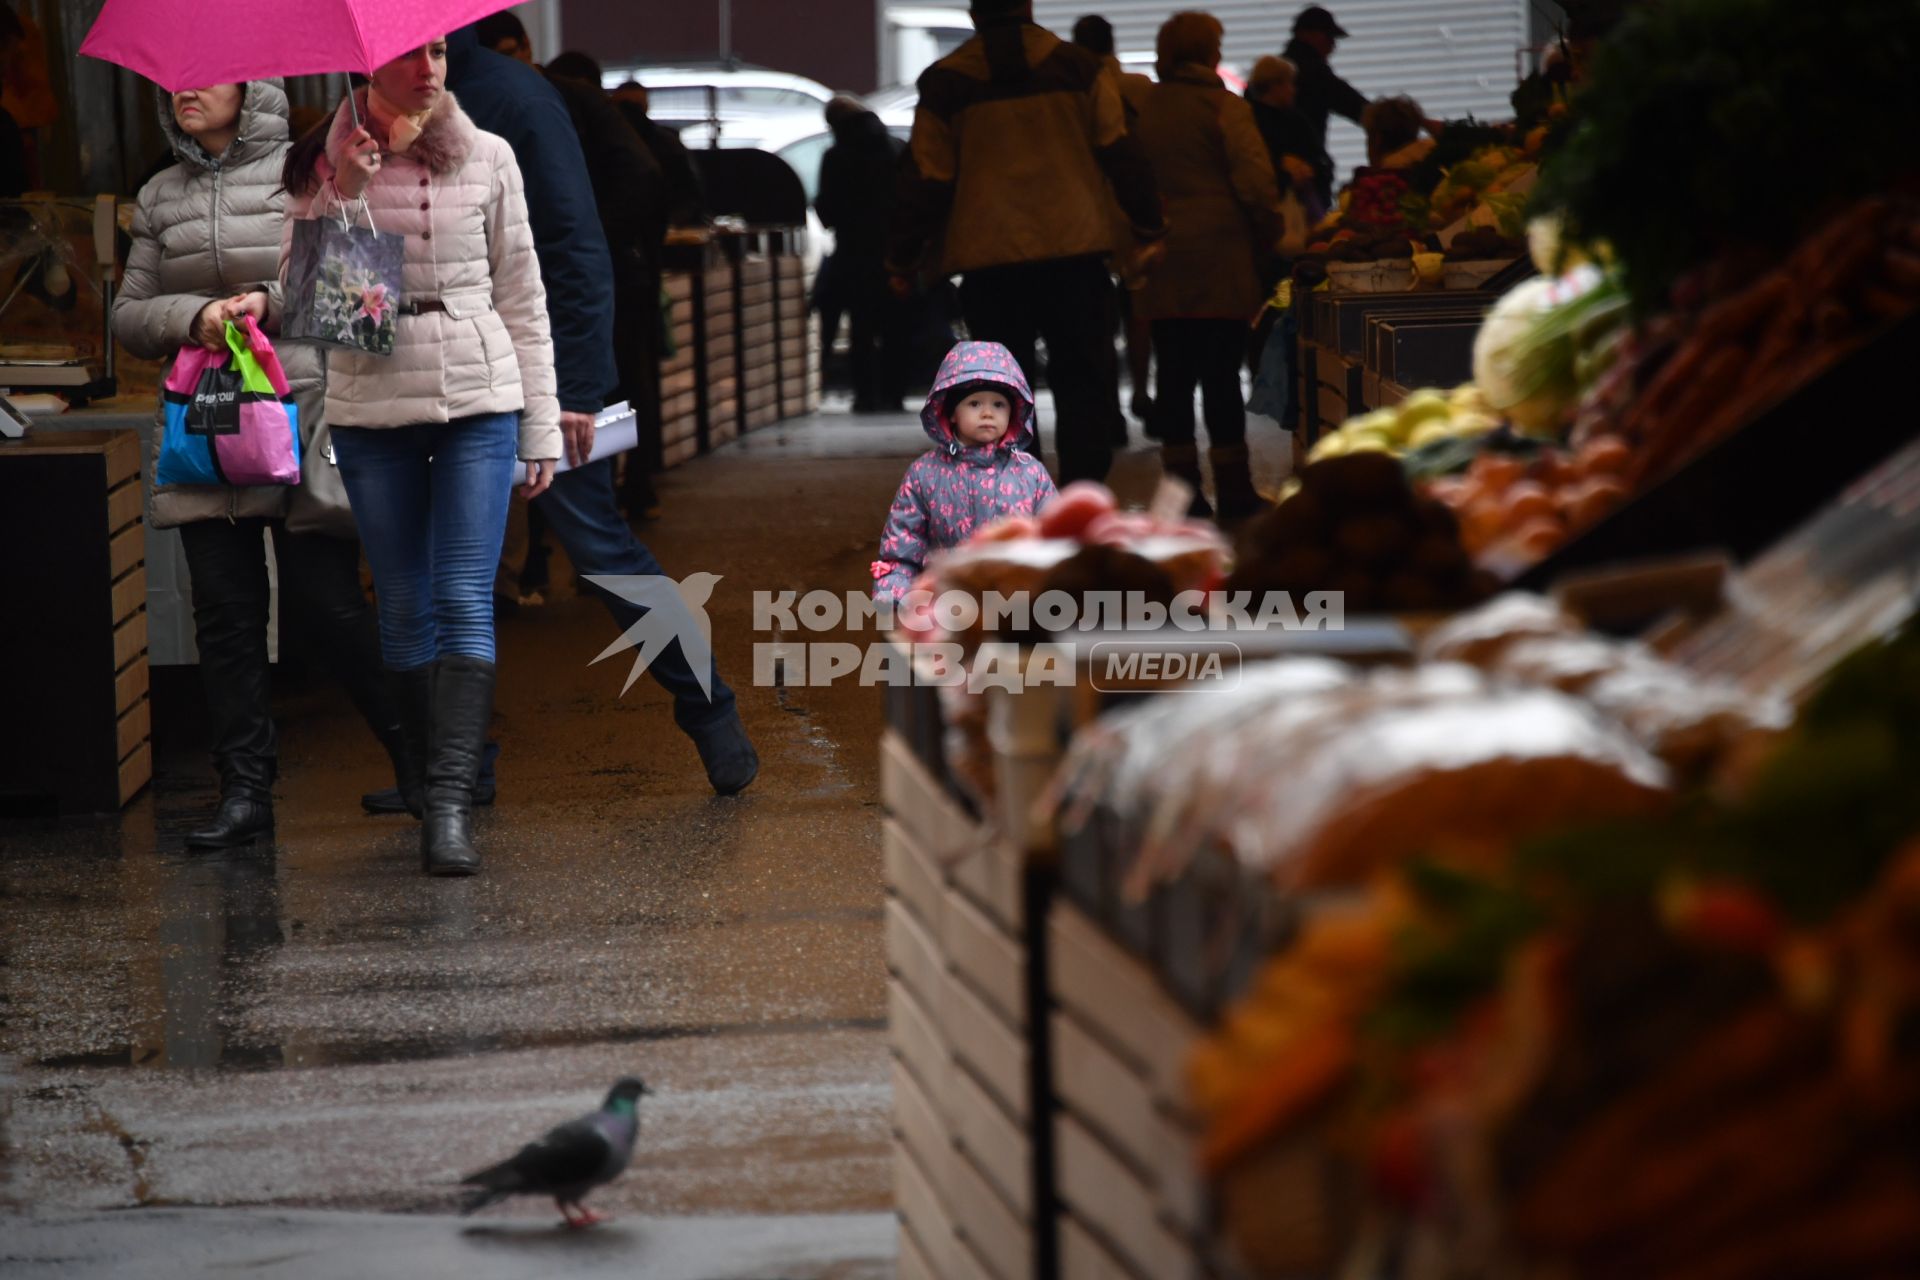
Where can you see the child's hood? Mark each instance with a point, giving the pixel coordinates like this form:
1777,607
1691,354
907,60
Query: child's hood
979,362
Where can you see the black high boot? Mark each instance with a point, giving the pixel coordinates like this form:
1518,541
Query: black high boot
236,677
457,731
406,743
1183,460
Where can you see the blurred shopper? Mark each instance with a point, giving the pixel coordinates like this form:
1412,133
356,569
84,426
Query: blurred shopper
631,192
1319,91
205,250
857,177
506,35
686,198
1394,138
519,104
1095,34
1016,139
428,437
1272,89
1223,220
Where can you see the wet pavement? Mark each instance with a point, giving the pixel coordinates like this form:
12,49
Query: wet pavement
313,1025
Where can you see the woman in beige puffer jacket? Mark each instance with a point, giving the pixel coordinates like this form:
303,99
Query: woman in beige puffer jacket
427,438
206,247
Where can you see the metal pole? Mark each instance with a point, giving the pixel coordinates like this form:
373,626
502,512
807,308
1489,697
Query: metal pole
726,30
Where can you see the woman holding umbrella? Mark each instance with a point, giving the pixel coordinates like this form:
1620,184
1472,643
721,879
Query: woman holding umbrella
428,437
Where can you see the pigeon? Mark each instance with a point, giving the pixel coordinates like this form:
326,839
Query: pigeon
570,1161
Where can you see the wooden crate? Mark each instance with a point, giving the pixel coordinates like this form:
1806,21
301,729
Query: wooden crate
958,981
1128,1193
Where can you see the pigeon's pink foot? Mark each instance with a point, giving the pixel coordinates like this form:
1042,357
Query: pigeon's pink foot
589,1218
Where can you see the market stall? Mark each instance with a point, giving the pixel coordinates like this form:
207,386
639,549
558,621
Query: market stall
1557,930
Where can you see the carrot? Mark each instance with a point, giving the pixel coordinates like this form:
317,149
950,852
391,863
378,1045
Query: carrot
1783,334
1826,255
1901,267
1309,1072
1884,304
1674,377
1675,435
1736,316
1870,1227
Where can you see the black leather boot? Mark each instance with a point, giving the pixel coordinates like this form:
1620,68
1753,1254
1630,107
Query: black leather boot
406,744
242,818
235,674
457,732
246,805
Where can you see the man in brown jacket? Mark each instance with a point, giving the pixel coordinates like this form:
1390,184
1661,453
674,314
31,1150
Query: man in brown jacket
1017,139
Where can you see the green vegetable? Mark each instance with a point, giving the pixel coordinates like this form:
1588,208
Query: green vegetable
1710,124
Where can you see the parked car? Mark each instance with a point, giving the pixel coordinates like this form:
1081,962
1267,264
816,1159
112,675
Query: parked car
728,104
919,36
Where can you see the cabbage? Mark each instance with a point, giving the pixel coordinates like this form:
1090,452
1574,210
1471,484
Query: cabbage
1527,355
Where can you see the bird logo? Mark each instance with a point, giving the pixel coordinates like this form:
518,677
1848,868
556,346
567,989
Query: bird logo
669,611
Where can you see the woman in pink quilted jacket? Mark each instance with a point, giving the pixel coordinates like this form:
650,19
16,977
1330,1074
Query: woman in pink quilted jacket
981,420
430,439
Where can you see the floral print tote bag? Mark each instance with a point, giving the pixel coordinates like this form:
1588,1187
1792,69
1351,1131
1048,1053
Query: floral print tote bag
343,283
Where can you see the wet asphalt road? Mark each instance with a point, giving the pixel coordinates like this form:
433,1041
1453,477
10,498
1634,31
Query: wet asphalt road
312,1024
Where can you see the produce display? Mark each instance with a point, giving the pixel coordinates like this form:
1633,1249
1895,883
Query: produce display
1735,342
1426,417
1517,506
1317,775
1685,290
1671,1044
1355,525
1462,207
1081,541
1560,359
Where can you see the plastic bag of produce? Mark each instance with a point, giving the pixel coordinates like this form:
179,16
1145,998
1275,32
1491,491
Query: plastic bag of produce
1338,784
1696,727
1481,635
1135,752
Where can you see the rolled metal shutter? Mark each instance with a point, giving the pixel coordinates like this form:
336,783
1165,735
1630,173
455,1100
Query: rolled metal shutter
1454,57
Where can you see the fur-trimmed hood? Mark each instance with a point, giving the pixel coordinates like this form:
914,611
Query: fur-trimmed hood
443,146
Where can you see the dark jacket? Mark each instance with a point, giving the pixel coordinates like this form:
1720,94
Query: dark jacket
629,187
513,100
686,198
856,190
1287,132
1320,94
1016,141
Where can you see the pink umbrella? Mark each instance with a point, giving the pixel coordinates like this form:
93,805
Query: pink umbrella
188,44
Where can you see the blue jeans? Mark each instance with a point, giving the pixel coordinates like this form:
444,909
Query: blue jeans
431,502
583,513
